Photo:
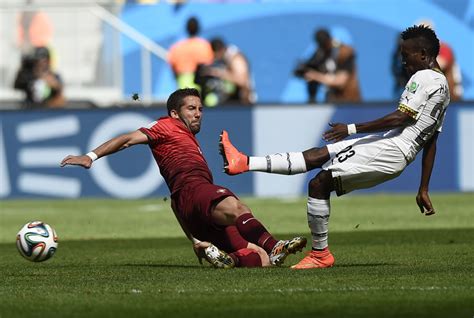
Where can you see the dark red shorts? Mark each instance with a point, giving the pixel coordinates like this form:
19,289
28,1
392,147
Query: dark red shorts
194,203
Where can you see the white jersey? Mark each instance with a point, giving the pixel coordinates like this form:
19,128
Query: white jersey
426,98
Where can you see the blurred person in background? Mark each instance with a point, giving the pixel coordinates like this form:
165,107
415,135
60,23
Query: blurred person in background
227,79
42,86
185,55
34,29
332,65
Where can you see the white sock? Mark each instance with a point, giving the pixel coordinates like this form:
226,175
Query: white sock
318,219
281,163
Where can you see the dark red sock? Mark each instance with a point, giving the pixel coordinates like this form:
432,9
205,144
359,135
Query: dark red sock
246,258
253,231
236,240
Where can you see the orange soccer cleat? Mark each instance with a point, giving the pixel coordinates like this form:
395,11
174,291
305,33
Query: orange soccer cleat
235,162
316,259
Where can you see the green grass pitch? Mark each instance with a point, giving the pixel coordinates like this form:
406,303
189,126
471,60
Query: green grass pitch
130,259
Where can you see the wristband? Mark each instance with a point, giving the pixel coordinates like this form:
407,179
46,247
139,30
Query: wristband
92,155
351,129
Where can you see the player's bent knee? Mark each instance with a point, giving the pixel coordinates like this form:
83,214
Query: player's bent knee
315,157
321,186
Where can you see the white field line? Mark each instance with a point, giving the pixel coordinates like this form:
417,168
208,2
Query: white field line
151,208
320,290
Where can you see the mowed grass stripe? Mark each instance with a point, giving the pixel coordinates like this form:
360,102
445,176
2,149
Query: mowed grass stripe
153,218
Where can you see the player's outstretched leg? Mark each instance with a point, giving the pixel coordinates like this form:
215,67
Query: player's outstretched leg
284,248
316,259
218,258
235,162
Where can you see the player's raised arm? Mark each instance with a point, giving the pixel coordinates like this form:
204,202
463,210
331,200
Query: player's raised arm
340,131
427,163
109,147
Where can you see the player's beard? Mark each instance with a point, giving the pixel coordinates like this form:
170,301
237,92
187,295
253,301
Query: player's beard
193,126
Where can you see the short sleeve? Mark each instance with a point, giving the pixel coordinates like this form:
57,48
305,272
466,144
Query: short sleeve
414,97
153,132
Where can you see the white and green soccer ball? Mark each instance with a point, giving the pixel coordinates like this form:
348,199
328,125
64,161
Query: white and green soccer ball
37,241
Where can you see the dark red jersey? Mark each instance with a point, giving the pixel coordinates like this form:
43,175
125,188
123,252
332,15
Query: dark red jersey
177,153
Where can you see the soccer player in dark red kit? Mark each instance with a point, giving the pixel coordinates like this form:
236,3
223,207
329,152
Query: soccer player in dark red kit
206,212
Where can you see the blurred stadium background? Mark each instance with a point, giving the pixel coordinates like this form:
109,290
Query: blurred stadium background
108,50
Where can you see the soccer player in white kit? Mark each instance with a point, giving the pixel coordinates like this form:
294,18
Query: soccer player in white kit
368,161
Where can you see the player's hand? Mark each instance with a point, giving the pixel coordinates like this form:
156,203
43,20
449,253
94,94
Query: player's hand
83,161
424,203
199,250
311,76
337,132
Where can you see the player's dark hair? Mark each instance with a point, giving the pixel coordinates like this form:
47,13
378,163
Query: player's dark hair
425,38
217,44
175,101
192,26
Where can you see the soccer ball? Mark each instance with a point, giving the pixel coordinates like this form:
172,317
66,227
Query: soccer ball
37,241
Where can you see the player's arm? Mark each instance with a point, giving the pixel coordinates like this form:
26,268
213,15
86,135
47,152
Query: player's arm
337,80
396,119
109,147
238,73
427,163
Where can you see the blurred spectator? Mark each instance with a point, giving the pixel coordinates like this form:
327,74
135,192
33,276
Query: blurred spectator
34,29
332,65
185,55
42,87
228,78
451,70
399,73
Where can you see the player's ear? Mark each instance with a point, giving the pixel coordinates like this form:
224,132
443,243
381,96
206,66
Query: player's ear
423,54
174,114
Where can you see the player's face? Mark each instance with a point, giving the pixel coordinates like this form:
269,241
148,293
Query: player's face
413,58
190,113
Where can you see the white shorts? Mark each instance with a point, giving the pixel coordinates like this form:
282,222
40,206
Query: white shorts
363,163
